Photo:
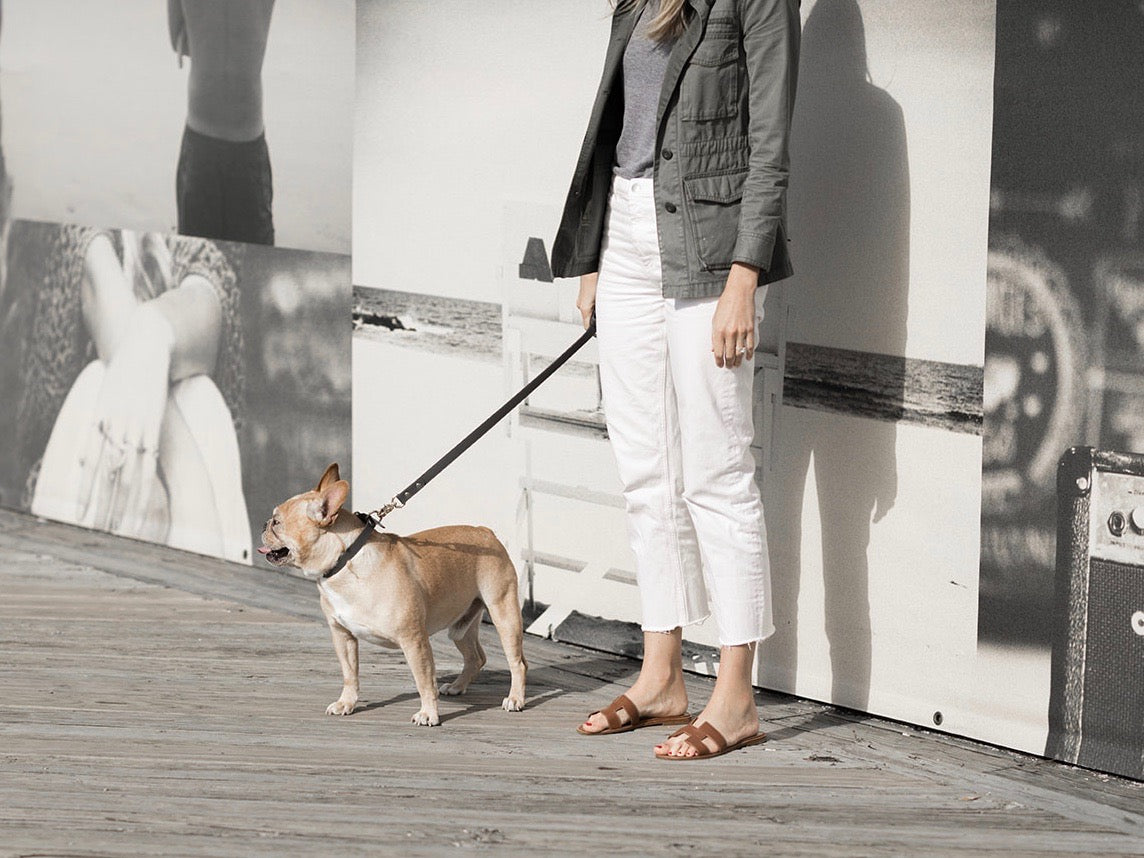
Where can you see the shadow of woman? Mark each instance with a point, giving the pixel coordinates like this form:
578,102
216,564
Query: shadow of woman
849,217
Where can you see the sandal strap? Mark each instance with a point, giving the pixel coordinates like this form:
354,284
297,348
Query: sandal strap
707,731
611,712
694,736
625,703
688,730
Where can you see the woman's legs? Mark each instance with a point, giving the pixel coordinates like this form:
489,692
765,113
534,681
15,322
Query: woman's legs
716,427
681,429
640,405
716,430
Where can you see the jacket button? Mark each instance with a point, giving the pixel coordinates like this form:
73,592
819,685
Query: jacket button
667,153
670,207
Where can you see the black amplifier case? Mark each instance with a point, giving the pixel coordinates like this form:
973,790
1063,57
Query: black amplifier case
1096,701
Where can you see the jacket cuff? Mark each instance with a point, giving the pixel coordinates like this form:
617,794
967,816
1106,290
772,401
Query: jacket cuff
756,248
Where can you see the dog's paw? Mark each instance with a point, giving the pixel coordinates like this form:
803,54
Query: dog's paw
512,704
341,707
453,688
426,719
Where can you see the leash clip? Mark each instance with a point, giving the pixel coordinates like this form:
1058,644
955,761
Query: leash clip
381,512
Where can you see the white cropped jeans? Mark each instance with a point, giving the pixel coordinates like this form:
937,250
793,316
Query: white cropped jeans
681,429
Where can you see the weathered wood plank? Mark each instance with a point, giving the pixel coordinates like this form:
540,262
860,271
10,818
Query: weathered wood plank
152,706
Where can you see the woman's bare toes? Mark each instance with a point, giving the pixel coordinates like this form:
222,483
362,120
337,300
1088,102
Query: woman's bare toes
595,724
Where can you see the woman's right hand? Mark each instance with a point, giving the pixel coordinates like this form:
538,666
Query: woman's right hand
122,451
586,300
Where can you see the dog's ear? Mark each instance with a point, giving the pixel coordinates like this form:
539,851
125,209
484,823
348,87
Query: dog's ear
324,508
330,476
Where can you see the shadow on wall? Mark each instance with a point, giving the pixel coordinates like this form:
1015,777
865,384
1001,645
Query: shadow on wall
849,221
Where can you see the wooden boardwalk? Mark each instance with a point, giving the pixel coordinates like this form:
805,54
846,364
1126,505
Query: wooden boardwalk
155,703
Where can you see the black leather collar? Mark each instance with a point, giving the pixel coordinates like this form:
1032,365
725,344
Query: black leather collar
371,523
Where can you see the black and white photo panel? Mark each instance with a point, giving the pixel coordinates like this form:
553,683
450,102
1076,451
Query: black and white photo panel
169,388
1062,553
220,119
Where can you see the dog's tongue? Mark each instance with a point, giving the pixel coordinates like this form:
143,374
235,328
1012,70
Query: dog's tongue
262,549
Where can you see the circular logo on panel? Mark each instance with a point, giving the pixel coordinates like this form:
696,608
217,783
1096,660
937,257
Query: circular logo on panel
1034,391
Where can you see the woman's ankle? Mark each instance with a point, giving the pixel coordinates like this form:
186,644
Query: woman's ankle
662,664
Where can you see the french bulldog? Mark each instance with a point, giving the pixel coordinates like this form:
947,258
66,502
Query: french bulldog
398,590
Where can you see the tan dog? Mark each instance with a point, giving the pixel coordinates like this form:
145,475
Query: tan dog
400,589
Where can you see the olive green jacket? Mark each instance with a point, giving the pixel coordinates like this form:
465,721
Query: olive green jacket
721,162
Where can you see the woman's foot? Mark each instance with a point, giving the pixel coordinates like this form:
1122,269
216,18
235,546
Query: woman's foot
659,691
731,710
731,718
653,699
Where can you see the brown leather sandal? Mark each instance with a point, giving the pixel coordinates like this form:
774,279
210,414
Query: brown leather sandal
611,714
695,738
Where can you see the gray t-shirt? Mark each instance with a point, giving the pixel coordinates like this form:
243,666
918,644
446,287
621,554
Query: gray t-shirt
645,63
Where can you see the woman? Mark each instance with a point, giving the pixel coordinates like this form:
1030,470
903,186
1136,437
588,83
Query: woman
131,387
675,224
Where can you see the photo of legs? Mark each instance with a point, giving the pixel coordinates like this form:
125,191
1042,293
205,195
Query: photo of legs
224,120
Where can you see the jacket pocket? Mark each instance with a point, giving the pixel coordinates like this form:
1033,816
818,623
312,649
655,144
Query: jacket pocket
713,204
710,85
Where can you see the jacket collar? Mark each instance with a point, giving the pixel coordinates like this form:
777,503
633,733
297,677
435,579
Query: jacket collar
682,51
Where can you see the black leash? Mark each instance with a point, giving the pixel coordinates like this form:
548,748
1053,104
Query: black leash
372,520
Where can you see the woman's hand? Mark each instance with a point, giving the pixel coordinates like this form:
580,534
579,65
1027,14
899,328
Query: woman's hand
586,300
733,325
121,455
